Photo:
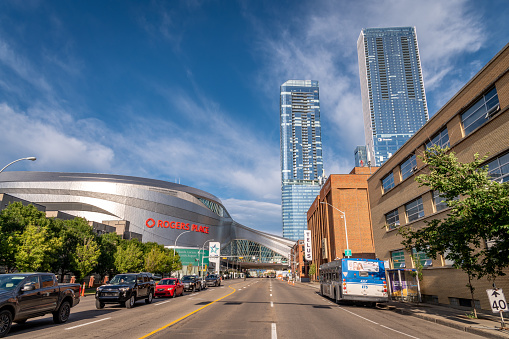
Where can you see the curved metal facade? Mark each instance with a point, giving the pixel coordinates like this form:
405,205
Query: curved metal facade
158,210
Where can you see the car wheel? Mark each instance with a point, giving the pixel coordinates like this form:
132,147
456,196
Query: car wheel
63,312
194,288
98,304
129,303
174,293
5,322
149,298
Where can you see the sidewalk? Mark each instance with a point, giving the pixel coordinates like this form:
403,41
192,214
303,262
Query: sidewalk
486,325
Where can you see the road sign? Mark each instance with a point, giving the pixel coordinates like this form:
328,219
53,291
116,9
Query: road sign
497,300
348,253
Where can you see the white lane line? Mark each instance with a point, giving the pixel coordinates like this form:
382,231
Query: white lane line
271,304
92,322
274,332
271,294
163,302
371,321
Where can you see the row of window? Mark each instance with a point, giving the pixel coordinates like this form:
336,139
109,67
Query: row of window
477,115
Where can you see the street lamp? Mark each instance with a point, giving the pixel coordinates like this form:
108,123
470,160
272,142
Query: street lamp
202,255
343,216
29,158
174,247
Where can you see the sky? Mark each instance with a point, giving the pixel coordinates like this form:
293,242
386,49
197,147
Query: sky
188,91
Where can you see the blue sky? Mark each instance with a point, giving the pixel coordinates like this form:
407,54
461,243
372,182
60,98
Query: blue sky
188,91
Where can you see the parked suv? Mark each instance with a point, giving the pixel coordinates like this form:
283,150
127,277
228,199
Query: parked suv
191,283
126,289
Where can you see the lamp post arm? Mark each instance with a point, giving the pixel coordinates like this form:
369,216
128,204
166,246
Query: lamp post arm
29,158
344,217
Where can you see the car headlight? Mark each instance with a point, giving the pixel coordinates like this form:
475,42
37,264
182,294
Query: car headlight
170,288
123,289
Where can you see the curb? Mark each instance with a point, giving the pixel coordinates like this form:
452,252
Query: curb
494,333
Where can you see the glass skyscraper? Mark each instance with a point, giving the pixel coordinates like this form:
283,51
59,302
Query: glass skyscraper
392,89
361,158
301,153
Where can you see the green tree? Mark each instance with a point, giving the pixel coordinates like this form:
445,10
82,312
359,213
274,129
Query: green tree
13,221
481,215
74,232
85,257
129,256
108,244
312,270
37,249
158,261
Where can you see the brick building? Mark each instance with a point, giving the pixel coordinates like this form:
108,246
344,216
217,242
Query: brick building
475,120
347,193
298,265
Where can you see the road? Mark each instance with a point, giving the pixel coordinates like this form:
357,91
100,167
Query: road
255,308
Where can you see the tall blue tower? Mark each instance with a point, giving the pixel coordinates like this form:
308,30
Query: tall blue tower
301,153
392,89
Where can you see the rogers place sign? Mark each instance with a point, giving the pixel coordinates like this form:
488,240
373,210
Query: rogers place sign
176,225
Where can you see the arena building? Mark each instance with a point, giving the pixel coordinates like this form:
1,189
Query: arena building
147,209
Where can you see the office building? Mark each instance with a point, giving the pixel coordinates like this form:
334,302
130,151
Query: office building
340,214
393,99
475,120
301,153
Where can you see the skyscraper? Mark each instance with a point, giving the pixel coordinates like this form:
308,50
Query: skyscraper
361,158
392,89
301,153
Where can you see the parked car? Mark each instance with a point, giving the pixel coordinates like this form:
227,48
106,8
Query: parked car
213,280
169,287
28,295
201,281
126,289
191,283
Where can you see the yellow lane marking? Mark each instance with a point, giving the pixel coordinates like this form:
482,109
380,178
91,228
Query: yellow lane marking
187,315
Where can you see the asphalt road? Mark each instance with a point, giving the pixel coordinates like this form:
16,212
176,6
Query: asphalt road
255,308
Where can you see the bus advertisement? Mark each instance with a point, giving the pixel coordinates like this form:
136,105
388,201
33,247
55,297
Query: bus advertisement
354,279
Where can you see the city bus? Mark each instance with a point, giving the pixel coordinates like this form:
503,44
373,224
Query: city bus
355,280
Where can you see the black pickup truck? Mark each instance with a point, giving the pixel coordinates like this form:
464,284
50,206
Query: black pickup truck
125,289
29,295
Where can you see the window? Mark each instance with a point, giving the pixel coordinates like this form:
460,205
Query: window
439,201
498,169
32,280
408,167
480,112
414,210
398,259
392,219
441,139
423,258
47,280
388,182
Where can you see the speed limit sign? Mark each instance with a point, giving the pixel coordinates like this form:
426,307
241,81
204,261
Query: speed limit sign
497,300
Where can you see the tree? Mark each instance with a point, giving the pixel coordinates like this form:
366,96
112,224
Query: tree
108,244
13,221
480,216
312,270
85,257
37,249
129,256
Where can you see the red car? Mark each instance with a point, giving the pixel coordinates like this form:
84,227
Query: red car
169,287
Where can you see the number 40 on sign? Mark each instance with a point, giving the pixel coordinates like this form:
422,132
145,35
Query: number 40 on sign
497,300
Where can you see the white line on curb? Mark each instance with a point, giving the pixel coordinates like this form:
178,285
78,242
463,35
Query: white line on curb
274,332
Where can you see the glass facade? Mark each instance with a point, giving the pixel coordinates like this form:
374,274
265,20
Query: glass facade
361,158
301,153
393,99
243,250
398,259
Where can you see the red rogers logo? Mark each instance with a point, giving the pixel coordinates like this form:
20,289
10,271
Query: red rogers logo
176,225
150,220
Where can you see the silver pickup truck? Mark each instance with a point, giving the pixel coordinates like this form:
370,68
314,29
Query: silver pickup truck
28,295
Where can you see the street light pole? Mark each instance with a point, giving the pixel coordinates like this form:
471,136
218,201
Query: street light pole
29,158
174,247
202,255
344,217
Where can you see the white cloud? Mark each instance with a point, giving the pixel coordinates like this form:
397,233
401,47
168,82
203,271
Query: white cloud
263,216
